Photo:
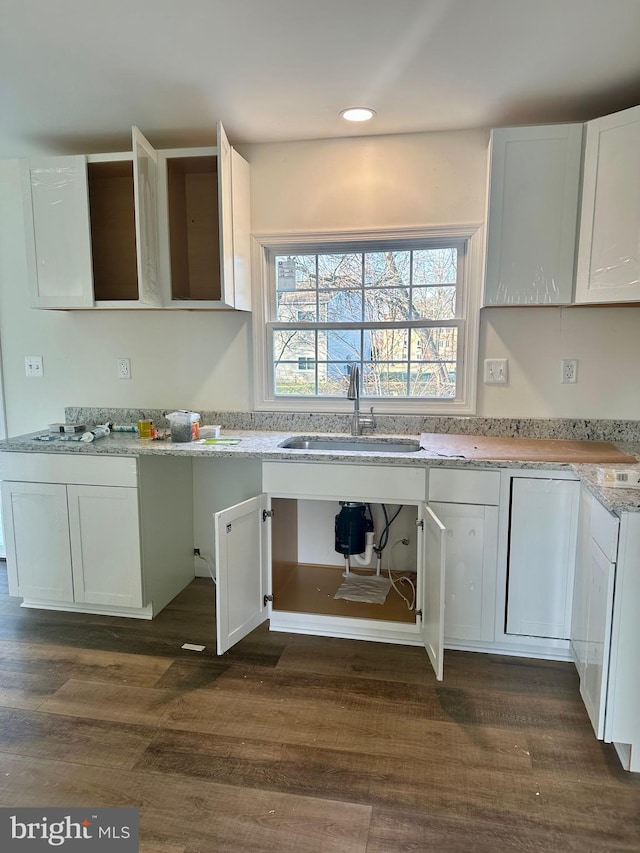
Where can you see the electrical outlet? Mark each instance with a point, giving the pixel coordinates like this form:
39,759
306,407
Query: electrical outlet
496,371
124,368
569,371
33,366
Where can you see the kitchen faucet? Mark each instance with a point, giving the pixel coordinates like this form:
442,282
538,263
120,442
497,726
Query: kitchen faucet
358,422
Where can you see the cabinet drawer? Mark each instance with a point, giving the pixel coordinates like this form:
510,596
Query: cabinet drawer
344,482
604,529
68,468
464,487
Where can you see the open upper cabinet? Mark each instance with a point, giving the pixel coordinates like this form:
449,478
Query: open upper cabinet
142,229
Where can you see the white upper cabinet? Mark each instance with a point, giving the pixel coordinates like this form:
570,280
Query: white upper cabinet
57,232
608,268
204,221
141,229
532,214
91,229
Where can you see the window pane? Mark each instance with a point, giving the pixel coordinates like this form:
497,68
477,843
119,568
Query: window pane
387,269
433,303
333,378
289,345
339,271
434,344
435,266
387,345
433,362
386,305
341,306
384,379
295,272
433,380
339,345
289,380
297,306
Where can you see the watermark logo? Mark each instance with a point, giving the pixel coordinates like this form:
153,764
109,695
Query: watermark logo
28,830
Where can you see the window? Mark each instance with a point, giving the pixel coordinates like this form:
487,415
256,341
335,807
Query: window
401,307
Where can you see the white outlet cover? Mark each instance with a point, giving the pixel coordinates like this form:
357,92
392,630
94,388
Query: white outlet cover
124,368
33,366
569,375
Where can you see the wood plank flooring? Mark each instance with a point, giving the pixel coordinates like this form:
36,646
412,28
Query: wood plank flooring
292,743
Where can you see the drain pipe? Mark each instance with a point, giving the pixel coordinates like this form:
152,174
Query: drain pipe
365,558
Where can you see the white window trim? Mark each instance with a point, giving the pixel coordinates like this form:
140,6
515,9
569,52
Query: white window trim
470,290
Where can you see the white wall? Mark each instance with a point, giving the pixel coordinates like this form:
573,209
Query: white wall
202,360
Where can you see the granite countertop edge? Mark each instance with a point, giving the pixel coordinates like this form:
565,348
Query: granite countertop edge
264,445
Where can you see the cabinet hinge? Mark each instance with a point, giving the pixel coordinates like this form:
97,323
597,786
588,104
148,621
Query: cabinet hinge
419,613
267,599
267,513
420,523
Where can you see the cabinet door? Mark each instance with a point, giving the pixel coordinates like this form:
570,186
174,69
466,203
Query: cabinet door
471,560
533,210
146,216
542,546
594,679
241,223
57,230
242,570
433,586
225,214
580,610
38,548
608,268
105,545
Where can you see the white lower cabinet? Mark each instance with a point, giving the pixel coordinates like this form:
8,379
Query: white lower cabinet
275,557
38,565
107,569
605,633
467,504
541,556
81,537
61,543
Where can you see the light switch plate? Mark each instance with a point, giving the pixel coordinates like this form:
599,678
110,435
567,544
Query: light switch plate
496,371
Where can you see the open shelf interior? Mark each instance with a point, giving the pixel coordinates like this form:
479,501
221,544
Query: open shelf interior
192,187
113,232
307,571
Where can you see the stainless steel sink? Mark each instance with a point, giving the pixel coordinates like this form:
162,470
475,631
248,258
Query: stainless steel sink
358,444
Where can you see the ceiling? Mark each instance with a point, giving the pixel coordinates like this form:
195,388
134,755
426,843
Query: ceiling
76,74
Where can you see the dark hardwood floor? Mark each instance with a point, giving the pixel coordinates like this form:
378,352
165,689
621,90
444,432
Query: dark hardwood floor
291,743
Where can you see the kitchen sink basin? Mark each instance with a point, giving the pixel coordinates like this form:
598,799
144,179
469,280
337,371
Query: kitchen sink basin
358,444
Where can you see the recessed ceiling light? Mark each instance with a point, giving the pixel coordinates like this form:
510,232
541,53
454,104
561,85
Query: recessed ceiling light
358,114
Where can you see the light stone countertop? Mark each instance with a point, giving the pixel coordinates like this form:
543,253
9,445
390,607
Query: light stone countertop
265,445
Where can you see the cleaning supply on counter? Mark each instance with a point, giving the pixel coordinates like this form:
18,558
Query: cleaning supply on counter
185,426
209,431
145,429
123,427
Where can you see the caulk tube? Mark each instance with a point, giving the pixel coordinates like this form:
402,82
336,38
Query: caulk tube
365,558
98,432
